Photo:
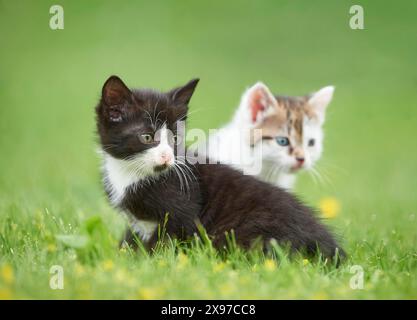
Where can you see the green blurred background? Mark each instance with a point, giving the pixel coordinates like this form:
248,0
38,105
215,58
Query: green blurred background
50,81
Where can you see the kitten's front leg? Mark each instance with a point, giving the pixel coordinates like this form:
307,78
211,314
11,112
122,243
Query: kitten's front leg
133,240
130,240
174,228
148,233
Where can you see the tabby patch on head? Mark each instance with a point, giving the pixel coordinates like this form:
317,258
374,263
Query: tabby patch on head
291,127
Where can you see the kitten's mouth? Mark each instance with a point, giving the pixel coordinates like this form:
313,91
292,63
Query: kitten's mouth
161,167
296,168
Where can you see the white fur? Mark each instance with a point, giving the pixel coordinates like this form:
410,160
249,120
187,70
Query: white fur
320,100
120,174
231,144
145,229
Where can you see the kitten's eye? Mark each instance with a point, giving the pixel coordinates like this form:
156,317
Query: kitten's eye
311,142
282,141
146,138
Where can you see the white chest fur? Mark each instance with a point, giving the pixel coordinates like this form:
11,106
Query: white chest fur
118,176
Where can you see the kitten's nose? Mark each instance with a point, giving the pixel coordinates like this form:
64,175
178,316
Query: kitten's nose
165,158
300,160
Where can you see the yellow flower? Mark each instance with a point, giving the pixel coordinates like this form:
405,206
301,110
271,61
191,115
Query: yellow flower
330,207
108,265
121,275
51,247
244,280
148,293
123,250
320,296
7,274
182,261
270,265
5,294
226,289
79,269
218,267
84,291
305,262
162,263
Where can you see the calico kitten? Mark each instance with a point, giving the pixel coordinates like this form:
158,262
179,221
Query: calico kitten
281,134
144,177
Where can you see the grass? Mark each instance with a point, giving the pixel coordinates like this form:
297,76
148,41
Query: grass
52,207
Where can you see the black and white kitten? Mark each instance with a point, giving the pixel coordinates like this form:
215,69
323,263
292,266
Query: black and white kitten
146,178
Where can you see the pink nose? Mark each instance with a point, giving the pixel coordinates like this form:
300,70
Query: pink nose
165,158
300,160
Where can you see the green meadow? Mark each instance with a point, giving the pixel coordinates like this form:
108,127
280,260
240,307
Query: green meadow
53,211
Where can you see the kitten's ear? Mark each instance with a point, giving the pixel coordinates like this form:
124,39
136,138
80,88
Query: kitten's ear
320,100
182,95
258,99
115,92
